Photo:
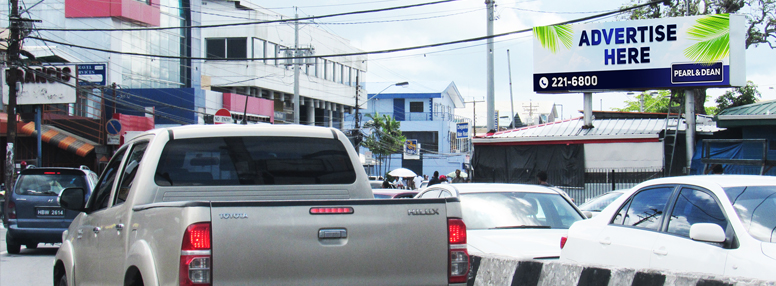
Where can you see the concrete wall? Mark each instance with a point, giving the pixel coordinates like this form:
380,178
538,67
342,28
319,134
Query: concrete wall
497,270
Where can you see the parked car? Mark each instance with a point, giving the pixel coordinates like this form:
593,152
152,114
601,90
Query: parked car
523,221
596,204
33,214
712,224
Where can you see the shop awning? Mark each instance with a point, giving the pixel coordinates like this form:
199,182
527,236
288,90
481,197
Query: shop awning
61,138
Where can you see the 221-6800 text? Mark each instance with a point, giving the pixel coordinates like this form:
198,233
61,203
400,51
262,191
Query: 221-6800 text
575,81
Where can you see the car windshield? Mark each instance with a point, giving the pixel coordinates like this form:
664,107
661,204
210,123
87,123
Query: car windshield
599,203
756,208
501,210
48,184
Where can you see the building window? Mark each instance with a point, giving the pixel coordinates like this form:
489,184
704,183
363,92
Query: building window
227,48
259,48
416,106
325,69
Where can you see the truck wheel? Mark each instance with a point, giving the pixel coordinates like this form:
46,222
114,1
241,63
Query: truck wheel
62,280
33,245
12,247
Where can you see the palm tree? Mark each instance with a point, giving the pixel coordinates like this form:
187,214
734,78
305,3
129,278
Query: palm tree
385,137
713,35
549,36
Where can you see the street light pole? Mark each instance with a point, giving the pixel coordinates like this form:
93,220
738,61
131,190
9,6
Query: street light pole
404,83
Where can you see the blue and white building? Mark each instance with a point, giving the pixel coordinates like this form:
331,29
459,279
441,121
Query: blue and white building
426,113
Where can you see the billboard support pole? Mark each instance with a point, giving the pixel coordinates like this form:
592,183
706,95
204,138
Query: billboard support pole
588,110
689,117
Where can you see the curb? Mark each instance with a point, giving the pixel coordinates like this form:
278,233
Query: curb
498,270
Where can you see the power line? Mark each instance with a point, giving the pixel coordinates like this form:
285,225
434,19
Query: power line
260,22
370,52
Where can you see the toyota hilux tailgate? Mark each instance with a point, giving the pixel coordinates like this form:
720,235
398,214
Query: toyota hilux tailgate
343,242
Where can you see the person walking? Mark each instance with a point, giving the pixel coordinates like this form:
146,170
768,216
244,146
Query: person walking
418,182
435,179
458,178
542,178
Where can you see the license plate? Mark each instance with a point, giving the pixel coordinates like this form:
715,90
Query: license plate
49,212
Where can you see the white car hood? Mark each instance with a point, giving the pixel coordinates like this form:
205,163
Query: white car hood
520,243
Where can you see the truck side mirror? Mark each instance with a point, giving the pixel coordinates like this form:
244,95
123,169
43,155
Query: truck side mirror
72,199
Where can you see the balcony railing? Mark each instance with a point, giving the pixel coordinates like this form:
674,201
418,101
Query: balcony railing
424,116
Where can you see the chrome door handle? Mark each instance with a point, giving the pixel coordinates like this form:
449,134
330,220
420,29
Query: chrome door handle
120,226
96,229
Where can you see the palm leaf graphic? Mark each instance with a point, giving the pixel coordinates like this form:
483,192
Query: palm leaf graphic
713,35
549,36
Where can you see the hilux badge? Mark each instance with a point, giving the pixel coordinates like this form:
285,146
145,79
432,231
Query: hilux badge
423,212
233,215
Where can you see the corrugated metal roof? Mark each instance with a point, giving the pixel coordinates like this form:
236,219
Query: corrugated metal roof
571,129
760,108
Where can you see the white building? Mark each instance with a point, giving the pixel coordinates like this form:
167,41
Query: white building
249,60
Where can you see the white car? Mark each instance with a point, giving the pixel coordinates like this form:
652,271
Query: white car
713,224
522,221
598,203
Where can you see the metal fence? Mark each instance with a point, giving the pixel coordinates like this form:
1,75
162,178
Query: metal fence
599,181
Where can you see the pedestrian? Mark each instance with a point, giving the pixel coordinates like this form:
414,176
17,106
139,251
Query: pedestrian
443,179
435,179
418,182
717,169
458,178
542,178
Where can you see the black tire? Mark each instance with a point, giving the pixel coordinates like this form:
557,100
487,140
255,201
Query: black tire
12,247
62,280
33,245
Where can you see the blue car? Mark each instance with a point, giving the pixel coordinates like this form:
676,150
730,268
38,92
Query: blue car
32,212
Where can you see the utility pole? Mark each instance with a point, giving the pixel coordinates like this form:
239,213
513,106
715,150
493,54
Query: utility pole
511,98
12,79
491,97
474,115
357,108
296,68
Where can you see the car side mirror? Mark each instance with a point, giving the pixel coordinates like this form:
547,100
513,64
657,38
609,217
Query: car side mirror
588,214
72,199
709,232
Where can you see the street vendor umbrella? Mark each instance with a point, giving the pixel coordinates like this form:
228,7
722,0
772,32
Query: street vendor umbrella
451,175
402,172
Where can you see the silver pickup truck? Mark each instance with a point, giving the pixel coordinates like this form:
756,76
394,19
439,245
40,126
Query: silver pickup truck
253,205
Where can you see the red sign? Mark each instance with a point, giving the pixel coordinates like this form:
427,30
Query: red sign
223,116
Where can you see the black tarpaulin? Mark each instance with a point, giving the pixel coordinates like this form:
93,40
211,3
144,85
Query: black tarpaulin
520,163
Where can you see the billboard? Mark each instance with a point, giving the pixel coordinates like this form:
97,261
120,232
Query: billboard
44,85
699,51
411,149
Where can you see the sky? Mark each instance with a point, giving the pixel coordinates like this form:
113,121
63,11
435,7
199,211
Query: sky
465,64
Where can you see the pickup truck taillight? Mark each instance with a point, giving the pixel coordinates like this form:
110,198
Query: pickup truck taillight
563,240
11,210
459,256
195,263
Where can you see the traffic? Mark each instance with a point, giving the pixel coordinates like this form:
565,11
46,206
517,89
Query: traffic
714,224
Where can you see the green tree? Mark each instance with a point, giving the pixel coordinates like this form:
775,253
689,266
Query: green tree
655,102
738,96
385,137
761,26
